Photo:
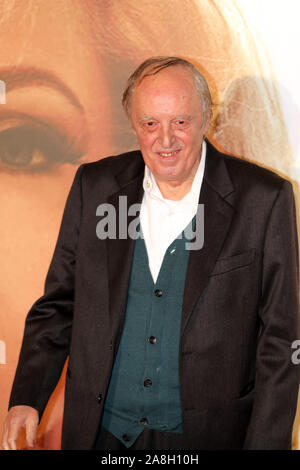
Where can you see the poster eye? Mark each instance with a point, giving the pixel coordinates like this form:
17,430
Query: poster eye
29,148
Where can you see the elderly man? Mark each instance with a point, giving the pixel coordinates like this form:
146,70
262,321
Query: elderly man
172,345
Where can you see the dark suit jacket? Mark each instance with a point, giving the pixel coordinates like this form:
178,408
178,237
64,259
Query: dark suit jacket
238,384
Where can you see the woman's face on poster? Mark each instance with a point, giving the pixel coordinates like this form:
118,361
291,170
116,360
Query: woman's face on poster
56,115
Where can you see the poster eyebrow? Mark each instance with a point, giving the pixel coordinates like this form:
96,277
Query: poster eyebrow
23,76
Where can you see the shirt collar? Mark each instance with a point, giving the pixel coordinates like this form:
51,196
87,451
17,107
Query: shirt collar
151,188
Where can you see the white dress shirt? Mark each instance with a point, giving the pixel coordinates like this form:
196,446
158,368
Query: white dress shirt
162,220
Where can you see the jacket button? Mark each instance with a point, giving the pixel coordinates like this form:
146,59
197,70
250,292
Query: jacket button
147,383
99,397
126,438
158,292
152,340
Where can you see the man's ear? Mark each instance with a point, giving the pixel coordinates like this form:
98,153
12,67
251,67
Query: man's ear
207,123
133,128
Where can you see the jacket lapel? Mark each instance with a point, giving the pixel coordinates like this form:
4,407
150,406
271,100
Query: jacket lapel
218,214
120,250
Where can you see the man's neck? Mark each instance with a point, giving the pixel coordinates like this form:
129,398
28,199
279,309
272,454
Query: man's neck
173,190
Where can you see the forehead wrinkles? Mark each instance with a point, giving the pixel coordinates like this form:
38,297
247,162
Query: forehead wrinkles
165,89
165,80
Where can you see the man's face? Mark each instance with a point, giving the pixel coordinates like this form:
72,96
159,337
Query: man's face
166,113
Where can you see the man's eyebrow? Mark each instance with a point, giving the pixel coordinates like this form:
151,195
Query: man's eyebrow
146,118
150,118
184,116
22,76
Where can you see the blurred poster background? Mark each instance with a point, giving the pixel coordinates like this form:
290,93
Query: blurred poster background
63,67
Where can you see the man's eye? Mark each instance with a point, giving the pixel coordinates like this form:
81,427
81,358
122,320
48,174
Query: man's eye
150,125
181,123
29,148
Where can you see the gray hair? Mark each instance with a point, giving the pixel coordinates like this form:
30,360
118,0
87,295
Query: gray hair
153,66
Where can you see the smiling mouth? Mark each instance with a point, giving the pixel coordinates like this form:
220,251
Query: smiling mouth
168,154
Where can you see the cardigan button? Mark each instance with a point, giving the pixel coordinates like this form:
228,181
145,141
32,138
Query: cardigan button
147,383
99,397
158,292
126,438
143,421
152,339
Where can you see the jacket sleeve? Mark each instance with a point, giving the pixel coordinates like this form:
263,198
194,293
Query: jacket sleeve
277,377
48,325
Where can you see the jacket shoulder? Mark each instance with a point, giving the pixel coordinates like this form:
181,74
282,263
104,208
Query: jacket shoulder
244,173
101,175
250,171
114,164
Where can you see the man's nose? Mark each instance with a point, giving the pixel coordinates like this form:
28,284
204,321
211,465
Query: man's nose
166,136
